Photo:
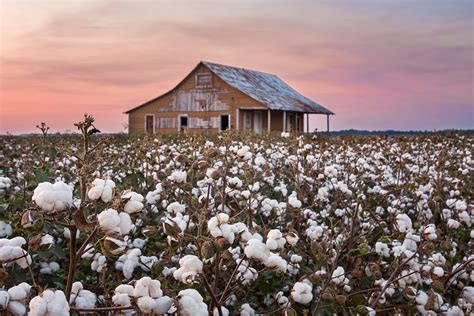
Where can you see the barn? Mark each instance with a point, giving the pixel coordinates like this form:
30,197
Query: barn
214,97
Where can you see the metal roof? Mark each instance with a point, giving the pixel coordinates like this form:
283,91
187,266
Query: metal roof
266,88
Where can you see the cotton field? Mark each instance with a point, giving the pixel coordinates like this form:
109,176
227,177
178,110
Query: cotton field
236,225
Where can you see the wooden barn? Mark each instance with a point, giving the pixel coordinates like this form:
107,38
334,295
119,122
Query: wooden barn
213,98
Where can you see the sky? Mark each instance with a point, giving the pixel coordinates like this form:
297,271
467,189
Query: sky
377,64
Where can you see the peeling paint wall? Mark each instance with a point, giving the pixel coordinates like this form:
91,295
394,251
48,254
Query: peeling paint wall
196,100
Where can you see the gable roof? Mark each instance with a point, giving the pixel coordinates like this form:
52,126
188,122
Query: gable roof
263,87
266,88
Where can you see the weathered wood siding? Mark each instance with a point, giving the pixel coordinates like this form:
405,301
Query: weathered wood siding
202,105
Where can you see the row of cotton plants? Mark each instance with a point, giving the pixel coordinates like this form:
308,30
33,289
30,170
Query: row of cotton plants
237,224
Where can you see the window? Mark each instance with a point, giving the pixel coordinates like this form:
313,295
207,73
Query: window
203,80
183,122
247,121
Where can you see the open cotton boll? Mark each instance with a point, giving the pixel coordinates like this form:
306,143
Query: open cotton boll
191,303
247,310
285,134
292,238
225,311
4,299
101,189
218,227
293,201
256,249
338,276
11,252
53,197
275,239
404,223
190,267
49,303
147,287
122,295
5,229
82,298
302,292
430,232
276,262
112,221
176,207
49,267
134,203
162,305
178,176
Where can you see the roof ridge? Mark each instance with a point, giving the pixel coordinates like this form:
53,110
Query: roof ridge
234,67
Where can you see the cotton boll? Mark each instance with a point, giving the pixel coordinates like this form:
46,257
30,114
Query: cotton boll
275,239
53,197
125,223
122,295
163,305
190,302
430,232
178,176
302,292
5,229
292,238
438,271
17,308
225,311
108,220
276,262
134,202
146,304
218,227
4,299
247,310
190,267
404,223
256,249
49,303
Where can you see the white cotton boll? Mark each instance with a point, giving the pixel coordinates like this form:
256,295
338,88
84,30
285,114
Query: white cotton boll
382,249
296,258
19,292
292,239
178,176
294,202
276,262
101,189
5,229
275,239
453,224
468,294
225,311
256,249
176,207
109,220
146,304
302,292
18,308
247,310
338,276
190,267
147,287
285,134
53,197
218,227
163,305
430,232
67,233
422,298
134,202
438,271
4,299
404,223
190,302
125,223
49,303
122,295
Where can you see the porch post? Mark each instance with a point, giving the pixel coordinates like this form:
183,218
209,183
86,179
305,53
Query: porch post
269,120
284,121
307,123
327,121
237,118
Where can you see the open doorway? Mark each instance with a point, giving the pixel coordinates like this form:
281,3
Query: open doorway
224,122
183,123
149,124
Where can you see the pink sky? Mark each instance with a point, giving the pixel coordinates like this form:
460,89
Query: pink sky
377,64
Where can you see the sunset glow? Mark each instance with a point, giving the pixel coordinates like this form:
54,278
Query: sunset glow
376,64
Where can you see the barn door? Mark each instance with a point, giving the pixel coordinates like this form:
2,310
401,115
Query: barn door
149,121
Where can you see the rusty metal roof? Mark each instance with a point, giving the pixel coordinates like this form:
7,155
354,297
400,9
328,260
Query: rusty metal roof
266,88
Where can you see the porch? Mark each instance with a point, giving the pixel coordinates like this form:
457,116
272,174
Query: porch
259,121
